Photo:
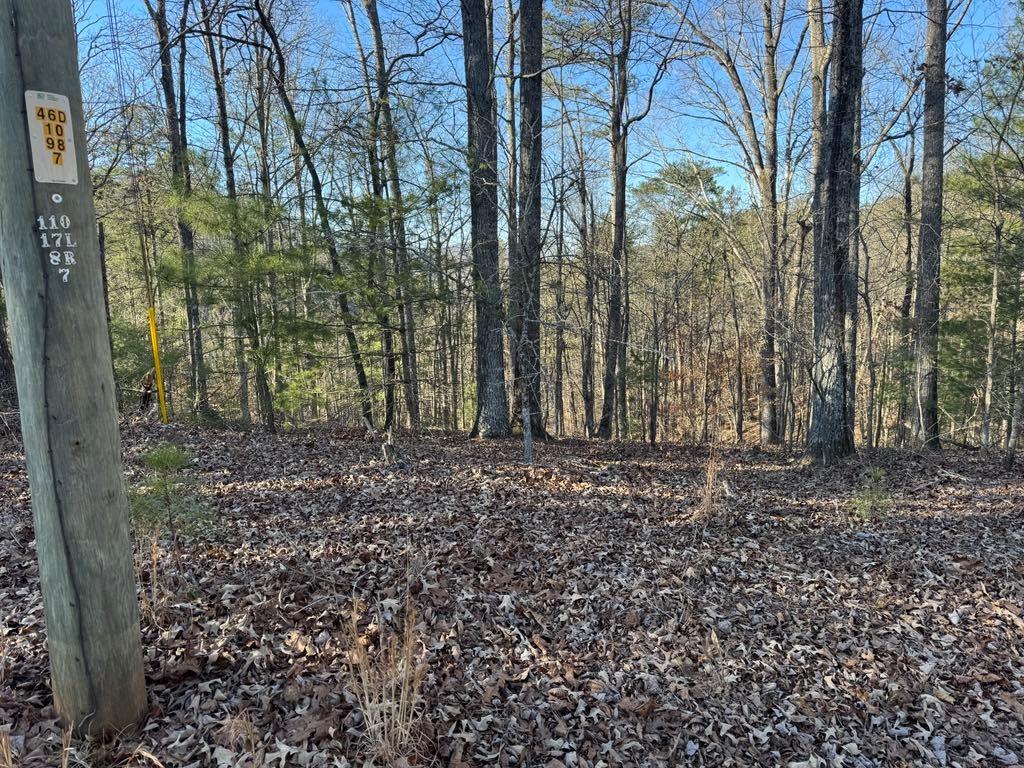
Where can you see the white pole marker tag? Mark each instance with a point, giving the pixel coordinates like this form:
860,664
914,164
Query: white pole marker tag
53,142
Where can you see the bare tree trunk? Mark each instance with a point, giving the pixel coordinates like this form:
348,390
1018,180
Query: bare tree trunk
906,332
820,55
1016,428
613,337
622,400
930,238
181,182
524,270
1014,368
879,424
264,392
993,308
512,181
655,354
389,137
589,311
215,55
491,395
852,279
734,305
869,429
828,436
771,34
561,308
377,277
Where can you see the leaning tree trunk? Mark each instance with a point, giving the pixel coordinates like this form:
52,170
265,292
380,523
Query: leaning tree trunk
279,76
389,138
242,300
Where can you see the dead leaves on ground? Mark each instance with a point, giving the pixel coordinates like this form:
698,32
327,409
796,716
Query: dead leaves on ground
582,612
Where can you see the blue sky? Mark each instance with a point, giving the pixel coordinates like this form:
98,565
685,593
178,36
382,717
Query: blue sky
674,128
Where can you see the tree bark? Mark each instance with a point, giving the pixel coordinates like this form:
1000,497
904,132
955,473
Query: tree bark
906,331
930,237
589,300
829,437
524,270
491,394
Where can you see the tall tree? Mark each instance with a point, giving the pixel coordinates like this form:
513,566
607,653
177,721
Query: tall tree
631,21
279,74
748,80
930,238
389,140
482,149
181,181
244,310
830,434
525,264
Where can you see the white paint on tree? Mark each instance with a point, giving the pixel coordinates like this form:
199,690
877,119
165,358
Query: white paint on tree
51,137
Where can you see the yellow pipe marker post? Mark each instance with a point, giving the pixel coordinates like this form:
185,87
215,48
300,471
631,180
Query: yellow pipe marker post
156,364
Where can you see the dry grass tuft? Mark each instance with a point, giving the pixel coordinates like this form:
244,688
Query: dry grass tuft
141,757
65,748
6,750
148,564
712,487
386,680
239,732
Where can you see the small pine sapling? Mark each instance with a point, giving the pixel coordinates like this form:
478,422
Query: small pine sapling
872,499
164,505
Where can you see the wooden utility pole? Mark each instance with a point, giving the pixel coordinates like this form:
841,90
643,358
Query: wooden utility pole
50,258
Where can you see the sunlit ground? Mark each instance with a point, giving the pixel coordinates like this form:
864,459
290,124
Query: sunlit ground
609,606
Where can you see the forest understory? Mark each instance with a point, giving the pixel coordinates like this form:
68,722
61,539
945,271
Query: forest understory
614,604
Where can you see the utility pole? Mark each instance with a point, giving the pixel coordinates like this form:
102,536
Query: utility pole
50,258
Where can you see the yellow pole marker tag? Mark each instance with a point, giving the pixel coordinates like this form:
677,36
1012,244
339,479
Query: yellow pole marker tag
156,365
52,140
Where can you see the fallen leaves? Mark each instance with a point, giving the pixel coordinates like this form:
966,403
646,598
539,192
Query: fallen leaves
582,612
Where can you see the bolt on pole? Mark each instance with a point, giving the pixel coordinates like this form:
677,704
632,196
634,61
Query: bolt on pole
49,254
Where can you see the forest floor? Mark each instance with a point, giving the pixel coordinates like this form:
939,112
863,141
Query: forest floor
599,608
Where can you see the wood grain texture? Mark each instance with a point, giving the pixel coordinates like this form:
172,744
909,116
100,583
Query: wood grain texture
66,393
